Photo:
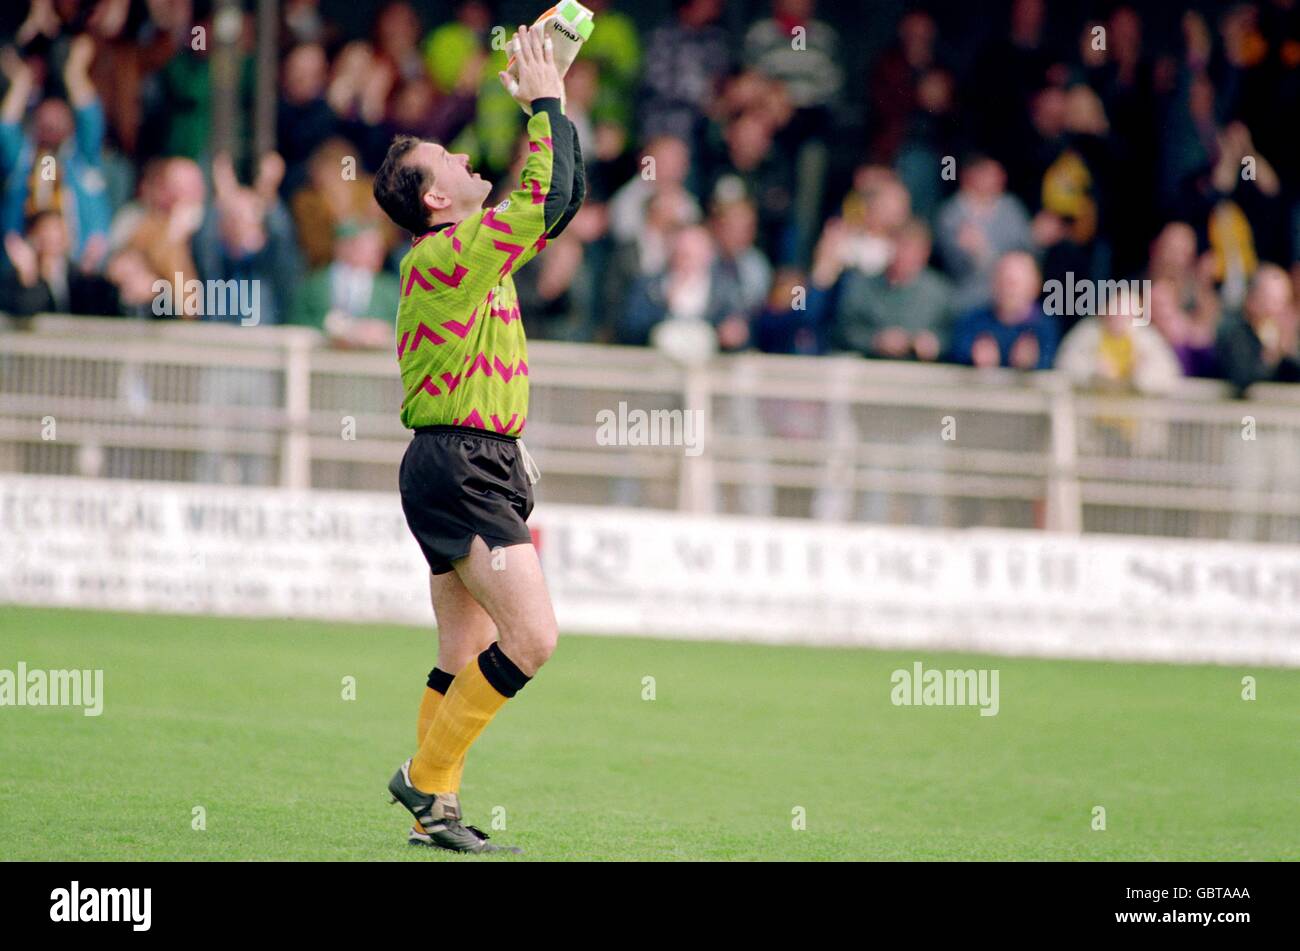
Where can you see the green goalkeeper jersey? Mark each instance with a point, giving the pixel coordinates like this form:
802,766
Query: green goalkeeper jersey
460,339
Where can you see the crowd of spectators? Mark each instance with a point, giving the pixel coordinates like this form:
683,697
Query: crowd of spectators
724,191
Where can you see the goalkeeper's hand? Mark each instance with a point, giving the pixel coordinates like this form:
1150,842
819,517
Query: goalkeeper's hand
538,77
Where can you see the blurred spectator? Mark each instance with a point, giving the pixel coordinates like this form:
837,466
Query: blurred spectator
874,211
1123,75
1189,116
160,226
135,283
798,308
791,321
133,40
647,254
1234,204
1064,174
305,119
460,59
1013,331
793,46
1006,72
903,313
893,87
335,192
301,21
45,278
614,50
247,237
802,54
742,269
976,228
688,292
750,167
546,290
1183,304
932,137
181,109
665,164
454,48
1191,339
581,87
352,299
57,166
397,37
1115,353
684,62
1259,344
587,293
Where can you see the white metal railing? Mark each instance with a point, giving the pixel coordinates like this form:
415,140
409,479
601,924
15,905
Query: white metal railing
827,437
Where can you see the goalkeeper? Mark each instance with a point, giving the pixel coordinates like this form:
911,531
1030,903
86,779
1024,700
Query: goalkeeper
466,479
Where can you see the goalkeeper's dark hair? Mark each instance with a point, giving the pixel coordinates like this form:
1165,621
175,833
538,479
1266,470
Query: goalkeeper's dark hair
400,185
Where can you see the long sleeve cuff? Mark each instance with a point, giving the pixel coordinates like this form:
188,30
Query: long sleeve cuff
548,104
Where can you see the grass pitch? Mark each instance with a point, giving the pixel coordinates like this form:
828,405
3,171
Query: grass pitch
246,719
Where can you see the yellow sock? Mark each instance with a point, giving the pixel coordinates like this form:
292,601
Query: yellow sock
470,704
429,704
428,709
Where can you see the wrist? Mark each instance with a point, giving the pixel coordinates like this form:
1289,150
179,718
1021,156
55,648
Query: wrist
547,104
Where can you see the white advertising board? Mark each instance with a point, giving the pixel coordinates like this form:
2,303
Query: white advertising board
347,556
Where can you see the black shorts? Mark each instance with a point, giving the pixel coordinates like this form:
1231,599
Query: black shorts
458,482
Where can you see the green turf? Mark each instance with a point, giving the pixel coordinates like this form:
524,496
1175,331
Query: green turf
246,719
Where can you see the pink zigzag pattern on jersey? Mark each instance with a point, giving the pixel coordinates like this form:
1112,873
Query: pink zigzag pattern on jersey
432,389
459,329
506,314
538,197
512,251
422,332
504,370
453,279
414,278
490,220
473,419
479,362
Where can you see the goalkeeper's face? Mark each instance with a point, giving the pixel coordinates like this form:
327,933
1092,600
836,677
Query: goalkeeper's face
455,191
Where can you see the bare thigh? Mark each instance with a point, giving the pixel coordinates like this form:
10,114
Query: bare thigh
465,630
509,585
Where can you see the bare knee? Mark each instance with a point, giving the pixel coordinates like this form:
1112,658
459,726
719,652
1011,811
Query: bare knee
530,645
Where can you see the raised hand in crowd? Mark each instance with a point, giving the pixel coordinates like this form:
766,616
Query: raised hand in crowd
76,71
